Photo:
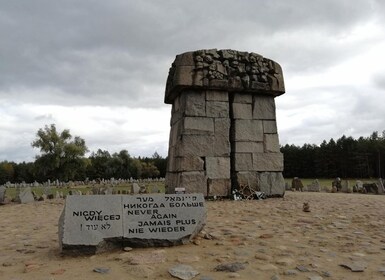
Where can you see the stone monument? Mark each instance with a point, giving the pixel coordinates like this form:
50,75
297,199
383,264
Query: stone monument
223,123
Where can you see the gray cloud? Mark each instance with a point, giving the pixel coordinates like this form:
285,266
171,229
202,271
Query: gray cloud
114,48
116,55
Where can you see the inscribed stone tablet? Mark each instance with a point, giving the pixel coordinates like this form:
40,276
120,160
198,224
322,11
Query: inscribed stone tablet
163,217
88,220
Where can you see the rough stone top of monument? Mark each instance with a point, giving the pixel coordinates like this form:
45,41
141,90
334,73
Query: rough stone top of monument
227,70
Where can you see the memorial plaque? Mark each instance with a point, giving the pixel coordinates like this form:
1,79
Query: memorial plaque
94,222
160,218
88,220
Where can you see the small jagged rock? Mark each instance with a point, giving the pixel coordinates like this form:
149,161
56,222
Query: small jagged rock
182,271
230,267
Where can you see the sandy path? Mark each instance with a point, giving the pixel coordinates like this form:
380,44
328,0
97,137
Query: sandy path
271,238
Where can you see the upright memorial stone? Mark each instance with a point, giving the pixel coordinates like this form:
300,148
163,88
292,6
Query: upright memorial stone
25,195
223,124
380,185
93,223
345,187
314,186
135,188
2,194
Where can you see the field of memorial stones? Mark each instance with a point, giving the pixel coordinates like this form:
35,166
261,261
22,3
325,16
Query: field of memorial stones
84,189
326,183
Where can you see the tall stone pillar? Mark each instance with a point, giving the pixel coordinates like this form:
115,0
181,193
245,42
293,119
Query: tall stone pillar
223,123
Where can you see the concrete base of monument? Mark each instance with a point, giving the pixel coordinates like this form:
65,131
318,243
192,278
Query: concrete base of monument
95,223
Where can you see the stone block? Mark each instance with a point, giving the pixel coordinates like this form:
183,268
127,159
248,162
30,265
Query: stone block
194,182
269,126
175,131
242,111
216,95
222,127
280,84
189,163
263,182
193,103
249,147
243,162
271,143
248,130
268,162
175,117
221,145
271,183
217,109
218,167
199,79
171,159
264,108
185,59
219,187
243,98
218,84
247,178
176,105
183,76
198,125
171,181
196,145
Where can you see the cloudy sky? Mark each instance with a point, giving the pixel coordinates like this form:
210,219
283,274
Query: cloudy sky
99,67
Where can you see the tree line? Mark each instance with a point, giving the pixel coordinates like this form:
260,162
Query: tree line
346,157
63,157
